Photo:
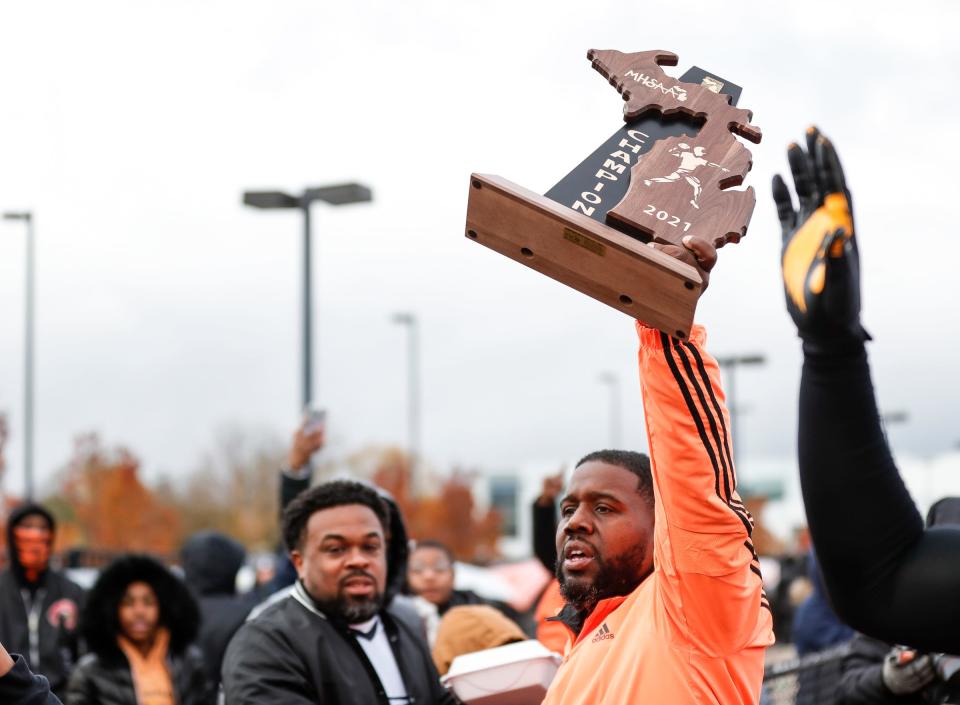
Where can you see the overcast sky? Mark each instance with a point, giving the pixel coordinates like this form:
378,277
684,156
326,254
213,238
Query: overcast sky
167,311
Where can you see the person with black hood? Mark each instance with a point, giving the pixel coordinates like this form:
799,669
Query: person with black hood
39,606
210,562
139,623
335,639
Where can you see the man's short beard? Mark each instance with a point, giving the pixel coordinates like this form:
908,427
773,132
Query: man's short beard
619,576
352,610
355,611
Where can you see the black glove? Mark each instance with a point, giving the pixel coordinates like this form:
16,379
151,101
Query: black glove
819,260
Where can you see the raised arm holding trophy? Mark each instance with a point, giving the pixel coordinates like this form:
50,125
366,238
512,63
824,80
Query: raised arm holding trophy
663,594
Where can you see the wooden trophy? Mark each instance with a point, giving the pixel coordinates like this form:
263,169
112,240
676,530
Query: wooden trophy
663,175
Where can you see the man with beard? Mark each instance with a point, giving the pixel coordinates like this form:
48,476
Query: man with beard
664,596
332,641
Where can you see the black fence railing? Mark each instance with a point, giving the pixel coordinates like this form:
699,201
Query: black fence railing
809,680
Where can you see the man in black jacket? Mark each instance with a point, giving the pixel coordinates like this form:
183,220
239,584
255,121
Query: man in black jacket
332,640
38,606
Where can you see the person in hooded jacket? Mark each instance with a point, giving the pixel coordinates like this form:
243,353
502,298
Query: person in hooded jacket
815,625
210,562
39,606
139,623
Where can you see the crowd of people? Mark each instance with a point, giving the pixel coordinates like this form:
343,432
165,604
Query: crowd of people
658,594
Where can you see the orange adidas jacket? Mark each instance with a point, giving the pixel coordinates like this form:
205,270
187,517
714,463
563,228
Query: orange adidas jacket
696,629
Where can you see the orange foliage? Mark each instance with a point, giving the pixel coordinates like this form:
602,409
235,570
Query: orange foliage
449,515
104,505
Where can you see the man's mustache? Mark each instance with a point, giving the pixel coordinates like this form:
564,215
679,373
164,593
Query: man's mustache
357,574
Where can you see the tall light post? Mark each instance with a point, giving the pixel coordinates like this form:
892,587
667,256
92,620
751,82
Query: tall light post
337,195
26,217
612,383
730,363
409,321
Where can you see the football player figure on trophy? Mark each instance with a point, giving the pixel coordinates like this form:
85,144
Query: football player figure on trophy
690,160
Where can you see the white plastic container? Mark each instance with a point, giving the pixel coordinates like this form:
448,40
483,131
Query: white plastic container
515,674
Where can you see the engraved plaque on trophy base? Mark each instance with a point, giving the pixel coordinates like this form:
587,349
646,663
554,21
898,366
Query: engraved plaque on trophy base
582,253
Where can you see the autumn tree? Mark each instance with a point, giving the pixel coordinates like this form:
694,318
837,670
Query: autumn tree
104,505
234,489
447,514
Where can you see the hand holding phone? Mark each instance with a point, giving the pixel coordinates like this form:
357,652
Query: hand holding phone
314,420
307,439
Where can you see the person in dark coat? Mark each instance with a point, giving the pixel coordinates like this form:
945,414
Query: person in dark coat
210,562
139,623
39,606
815,625
333,640
864,682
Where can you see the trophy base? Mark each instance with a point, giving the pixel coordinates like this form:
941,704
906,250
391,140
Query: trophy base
588,256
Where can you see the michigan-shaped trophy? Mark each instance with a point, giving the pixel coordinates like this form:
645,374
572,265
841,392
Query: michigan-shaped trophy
669,171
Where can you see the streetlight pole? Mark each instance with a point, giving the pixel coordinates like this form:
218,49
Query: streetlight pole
612,383
336,195
306,391
27,218
730,364
409,321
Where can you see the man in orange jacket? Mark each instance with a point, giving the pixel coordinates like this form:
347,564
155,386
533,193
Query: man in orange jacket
664,596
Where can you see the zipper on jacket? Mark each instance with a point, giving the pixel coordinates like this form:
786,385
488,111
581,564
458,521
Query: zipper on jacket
32,606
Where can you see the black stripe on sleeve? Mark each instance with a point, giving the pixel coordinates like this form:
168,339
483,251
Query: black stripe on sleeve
714,430
701,430
716,405
741,513
691,408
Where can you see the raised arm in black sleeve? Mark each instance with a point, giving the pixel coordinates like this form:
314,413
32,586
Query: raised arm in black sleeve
545,534
545,521
886,576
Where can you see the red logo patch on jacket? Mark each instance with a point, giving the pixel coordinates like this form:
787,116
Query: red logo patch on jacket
65,609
